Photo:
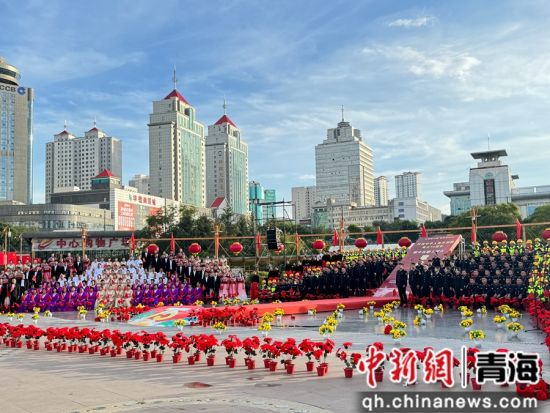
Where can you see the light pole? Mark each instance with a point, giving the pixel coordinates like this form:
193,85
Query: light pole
7,235
83,236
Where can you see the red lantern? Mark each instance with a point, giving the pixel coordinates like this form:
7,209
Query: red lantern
499,236
318,245
194,249
280,248
236,248
546,234
153,249
404,242
361,243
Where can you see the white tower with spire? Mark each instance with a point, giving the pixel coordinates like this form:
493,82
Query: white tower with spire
227,164
176,150
344,167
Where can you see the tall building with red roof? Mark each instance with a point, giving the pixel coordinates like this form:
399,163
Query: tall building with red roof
227,165
72,162
176,150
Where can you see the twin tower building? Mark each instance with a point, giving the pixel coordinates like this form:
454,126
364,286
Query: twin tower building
190,168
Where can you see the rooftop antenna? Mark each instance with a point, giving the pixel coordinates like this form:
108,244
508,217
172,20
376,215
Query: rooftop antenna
342,109
65,125
224,106
95,122
174,78
488,141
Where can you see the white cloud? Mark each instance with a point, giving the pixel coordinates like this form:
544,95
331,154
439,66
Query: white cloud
418,22
438,64
307,177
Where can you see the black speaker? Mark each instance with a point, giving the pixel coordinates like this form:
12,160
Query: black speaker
273,239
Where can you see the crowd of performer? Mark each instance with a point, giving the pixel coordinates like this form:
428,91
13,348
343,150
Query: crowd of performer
68,283
490,275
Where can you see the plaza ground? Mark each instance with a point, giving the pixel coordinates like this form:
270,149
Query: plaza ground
41,381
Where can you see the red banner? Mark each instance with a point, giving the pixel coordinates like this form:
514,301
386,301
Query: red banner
126,216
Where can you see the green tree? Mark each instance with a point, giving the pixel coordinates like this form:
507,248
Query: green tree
541,214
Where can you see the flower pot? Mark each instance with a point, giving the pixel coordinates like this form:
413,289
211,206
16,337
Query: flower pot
267,363
379,375
59,349
428,316
197,356
91,350
159,357
36,346
146,356
227,360
500,325
513,333
325,366
153,354
130,354
251,364
279,319
113,353
273,365
514,319
348,372
397,341
232,363
176,358
29,344
467,329
49,347
290,368
191,360
83,349
210,360
137,355
475,385
320,371
119,350
310,365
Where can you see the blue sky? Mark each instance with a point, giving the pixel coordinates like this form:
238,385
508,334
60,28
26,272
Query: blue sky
425,81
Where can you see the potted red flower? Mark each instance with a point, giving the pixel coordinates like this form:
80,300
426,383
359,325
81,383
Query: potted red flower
250,345
291,350
326,347
232,345
308,347
265,351
350,359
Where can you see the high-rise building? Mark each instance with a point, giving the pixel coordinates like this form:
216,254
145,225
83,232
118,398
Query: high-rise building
303,197
16,119
255,197
344,167
71,162
270,211
381,191
141,183
227,165
176,151
408,185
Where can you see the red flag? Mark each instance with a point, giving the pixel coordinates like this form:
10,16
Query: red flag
258,243
172,243
379,237
132,242
424,233
335,240
518,229
473,235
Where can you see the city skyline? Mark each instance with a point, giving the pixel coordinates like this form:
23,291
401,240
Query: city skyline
408,77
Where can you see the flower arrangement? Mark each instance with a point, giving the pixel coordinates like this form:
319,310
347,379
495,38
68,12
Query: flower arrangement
47,313
232,345
388,320
399,325
326,329
498,319
279,312
350,360
417,321
397,333
331,321
477,335
160,304
10,315
379,314
371,303
198,303
419,307
462,308
264,327
276,302
20,316
213,303
35,316
219,326
514,314
36,310
312,311
482,310
504,309
387,308
439,308
467,313
180,323
268,318
428,311
514,326
468,322
396,303
340,307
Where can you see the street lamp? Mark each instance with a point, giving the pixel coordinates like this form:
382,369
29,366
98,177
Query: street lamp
83,236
